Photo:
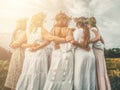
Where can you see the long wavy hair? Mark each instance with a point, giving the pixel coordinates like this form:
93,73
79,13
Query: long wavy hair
60,18
22,23
36,20
86,36
82,21
92,22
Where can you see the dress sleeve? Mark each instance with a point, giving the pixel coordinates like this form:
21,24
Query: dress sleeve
94,28
92,35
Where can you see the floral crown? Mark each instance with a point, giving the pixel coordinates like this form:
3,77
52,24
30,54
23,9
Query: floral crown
81,19
62,15
21,20
92,20
38,16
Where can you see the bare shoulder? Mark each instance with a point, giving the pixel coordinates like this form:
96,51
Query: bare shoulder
57,30
44,30
94,29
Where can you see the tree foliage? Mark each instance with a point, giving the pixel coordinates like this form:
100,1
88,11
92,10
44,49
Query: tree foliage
4,54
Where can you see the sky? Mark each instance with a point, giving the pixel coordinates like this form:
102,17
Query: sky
106,12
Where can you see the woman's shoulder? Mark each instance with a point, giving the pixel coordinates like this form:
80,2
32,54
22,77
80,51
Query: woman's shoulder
44,29
80,30
93,28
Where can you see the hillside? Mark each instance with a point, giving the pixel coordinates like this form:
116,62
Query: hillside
5,40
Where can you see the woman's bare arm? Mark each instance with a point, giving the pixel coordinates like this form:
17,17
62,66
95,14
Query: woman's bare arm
80,45
12,40
46,35
20,41
69,36
77,43
101,39
57,39
39,46
97,37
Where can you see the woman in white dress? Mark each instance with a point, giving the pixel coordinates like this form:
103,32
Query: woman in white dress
16,62
60,76
84,72
103,82
35,65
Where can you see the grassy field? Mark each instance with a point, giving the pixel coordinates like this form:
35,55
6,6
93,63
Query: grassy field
3,73
113,67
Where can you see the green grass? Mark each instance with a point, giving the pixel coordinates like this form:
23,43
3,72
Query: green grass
3,73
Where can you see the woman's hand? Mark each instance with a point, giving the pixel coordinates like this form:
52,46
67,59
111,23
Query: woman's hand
51,38
87,48
57,45
26,45
68,39
33,49
102,40
14,45
73,42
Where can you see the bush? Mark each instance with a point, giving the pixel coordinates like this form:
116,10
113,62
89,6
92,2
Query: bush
4,54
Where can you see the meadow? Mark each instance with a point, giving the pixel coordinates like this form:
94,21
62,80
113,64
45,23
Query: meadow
113,67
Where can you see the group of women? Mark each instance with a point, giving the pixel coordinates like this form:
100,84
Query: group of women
76,61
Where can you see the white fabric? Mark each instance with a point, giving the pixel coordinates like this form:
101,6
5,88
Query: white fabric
84,72
60,76
98,44
35,67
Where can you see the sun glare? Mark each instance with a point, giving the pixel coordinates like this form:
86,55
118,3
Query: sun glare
15,8
11,10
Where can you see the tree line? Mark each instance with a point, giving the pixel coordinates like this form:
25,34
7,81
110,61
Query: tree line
112,53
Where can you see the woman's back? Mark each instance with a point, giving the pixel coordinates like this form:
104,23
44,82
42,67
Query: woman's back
84,77
33,36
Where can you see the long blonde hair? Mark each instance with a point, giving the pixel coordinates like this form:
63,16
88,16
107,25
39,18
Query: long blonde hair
86,33
86,37
92,21
60,17
34,21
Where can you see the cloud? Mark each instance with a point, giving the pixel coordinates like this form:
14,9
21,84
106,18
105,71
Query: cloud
106,12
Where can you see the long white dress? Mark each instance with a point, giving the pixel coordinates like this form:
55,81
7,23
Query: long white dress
35,66
84,73
16,62
60,76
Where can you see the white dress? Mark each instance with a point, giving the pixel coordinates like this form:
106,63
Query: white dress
60,76
16,62
84,73
35,66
